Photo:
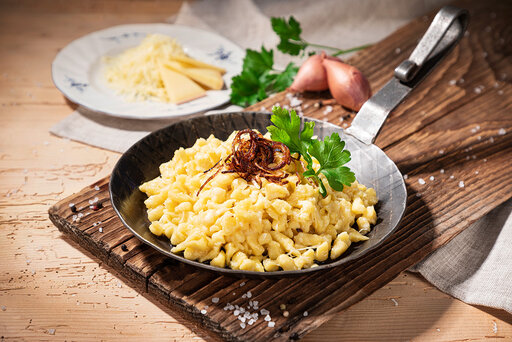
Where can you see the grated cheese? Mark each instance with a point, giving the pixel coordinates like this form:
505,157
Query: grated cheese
135,72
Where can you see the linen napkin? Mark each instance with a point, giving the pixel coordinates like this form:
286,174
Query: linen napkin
476,266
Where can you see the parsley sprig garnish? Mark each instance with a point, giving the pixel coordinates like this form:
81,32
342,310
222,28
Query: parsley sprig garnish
329,153
292,43
259,78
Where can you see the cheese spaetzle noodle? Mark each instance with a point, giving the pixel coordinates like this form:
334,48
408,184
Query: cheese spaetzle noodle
249,226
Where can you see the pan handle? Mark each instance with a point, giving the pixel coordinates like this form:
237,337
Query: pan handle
444,33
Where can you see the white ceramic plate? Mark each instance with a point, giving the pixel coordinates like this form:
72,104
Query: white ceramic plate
77,70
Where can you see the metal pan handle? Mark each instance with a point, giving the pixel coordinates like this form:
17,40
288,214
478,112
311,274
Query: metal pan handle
444,33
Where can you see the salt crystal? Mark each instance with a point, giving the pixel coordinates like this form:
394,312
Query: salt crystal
441,151
305,314
244,295
398,50
264,311
461,80
249,294
477,90
242,325
502,131
242,283
295,102
421,181
215,300
491,139
500,92
119,284
236,312
51,331
97,188
473,157
206,307
494,327
251,321
431,178
267,318
203,312
485,160
473,130
286,314
242,319
4,308
271,324
452,82
438,329
405,176
91,201
242,310
255,302
100,229
327,110
71,205
442,170
467,157
394,301
452,177
476,172
461,184
479,137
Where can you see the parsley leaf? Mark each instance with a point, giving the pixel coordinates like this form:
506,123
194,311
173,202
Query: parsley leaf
286,130
258,78
329,153
289,34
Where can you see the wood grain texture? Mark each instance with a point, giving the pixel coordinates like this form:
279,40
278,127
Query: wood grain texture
434,130
52,288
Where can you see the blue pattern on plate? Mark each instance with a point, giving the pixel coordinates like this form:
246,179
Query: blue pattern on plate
221,54
127,35
76,85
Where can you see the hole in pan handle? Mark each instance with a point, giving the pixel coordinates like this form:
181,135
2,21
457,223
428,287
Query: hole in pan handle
443,34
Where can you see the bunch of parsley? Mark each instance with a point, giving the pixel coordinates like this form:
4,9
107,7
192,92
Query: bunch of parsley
329,153
259,79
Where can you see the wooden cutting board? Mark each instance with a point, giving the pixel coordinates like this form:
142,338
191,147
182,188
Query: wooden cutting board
454,132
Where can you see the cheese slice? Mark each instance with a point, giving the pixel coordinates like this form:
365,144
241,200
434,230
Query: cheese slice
207,78
179,87
198,64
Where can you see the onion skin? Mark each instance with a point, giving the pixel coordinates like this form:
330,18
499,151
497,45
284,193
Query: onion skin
347,84
311,75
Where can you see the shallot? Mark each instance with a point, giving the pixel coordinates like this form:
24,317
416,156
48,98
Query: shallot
311,75
346,83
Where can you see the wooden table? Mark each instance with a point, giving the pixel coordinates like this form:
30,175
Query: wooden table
52,289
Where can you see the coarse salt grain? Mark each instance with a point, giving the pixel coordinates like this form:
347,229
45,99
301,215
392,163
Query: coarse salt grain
305,314
452,177
242,319
236,312
327,110
398,50
267,318
264,312
215,299
502,131
51,331
476,172
421,181
452,82
431,178
405,176
249,294
100,229
71,205
286,314
461,184
271,324
442,170
251,321
242,325
242,283
441,151
494,327
394,301
4,308
203,312
97,188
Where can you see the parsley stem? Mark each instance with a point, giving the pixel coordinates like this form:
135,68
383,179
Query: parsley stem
338,51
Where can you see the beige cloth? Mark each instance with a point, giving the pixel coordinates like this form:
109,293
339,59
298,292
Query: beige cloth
476,266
